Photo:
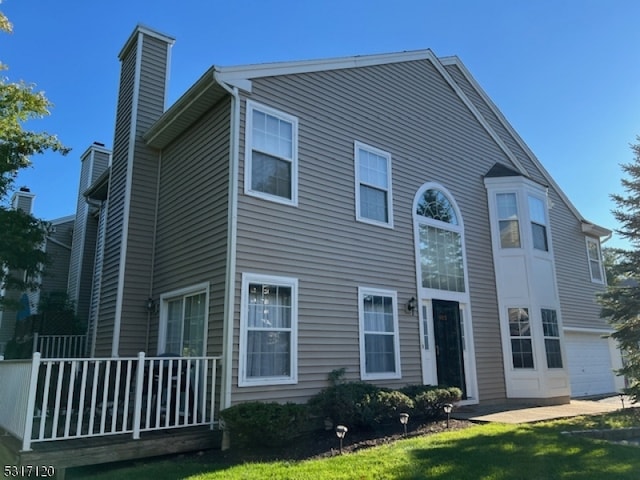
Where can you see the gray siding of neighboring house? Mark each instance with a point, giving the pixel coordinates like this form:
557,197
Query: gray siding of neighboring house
576,290
58,249
410,111
191,241
84,235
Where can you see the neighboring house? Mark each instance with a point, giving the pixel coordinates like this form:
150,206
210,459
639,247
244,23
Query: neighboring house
375,213
58,247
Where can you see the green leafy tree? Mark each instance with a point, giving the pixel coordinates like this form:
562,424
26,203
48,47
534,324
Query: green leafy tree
21,235
621,301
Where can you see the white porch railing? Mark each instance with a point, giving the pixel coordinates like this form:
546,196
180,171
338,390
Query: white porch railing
57,399
60,346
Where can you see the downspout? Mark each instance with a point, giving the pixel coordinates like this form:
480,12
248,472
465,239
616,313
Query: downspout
153,254
232,223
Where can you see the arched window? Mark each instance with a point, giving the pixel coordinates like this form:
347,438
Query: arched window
439,236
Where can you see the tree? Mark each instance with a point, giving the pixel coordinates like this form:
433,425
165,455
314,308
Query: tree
21,235
621,301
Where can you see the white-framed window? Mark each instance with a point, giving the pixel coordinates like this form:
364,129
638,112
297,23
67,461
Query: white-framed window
183,318
440,243
271,154
551,337
268,330
520,332
538,217
374,203
379,342
508,220
595,260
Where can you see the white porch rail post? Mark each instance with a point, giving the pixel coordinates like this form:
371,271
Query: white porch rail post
137,404
31,402
35,342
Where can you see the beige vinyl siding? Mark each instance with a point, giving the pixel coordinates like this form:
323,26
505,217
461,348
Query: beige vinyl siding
141,231
409,111
115,218
191,243
133,254
576,290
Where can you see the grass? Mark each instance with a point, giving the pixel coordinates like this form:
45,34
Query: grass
481,452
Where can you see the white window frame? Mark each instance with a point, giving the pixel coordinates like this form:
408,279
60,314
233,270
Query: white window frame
243,380
554,338
517,219
165,298
357,146
532,222
594,279
364,375
528,338
248,154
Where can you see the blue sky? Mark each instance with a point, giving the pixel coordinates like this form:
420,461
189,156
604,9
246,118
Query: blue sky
565,73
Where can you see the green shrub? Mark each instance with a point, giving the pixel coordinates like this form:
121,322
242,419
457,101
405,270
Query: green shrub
265,424
346,403
429,403
387,405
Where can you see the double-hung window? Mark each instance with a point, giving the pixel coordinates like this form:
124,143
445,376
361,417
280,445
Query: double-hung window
379,343
268,330
520,332
508,221
551,338
373,185
538,216
271,154
595,260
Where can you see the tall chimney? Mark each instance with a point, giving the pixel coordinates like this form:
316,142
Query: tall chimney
130,221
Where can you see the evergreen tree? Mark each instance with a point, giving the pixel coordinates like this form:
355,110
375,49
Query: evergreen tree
621,301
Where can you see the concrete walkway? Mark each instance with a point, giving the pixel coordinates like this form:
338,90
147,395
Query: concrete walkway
537,414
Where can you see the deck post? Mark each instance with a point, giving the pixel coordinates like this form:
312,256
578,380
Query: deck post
137,404
31,402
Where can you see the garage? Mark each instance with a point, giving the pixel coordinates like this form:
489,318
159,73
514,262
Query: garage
589,363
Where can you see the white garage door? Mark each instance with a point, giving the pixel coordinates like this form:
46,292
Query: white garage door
589,364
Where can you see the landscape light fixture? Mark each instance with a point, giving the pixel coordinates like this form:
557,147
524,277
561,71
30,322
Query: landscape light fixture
404,419
447,407
621,395
341,431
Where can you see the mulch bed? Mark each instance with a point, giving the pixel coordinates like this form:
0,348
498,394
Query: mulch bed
326,444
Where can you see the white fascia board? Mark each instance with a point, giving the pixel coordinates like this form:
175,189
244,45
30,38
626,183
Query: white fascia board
248,72
444,61
453,60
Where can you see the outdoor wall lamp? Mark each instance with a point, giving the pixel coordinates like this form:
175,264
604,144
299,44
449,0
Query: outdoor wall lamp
447,407
151,305
341,431
404,419
411,305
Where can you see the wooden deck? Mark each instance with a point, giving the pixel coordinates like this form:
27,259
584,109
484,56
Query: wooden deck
92,451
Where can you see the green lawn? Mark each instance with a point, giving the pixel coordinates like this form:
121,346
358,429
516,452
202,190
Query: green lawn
490,451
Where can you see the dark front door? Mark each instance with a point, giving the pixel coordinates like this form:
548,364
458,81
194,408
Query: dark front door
448,339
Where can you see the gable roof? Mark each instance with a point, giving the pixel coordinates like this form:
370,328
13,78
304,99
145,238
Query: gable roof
587,227
216,83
